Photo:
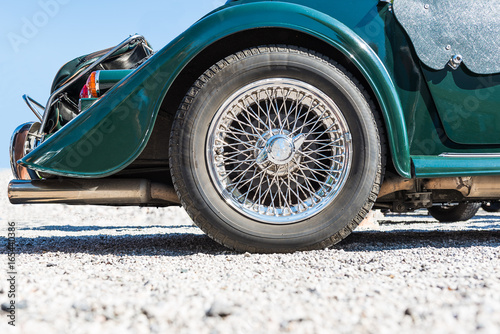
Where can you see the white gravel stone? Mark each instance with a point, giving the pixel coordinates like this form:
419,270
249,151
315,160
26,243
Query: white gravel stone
147,270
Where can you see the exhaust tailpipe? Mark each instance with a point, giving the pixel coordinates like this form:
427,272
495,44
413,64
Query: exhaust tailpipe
120,192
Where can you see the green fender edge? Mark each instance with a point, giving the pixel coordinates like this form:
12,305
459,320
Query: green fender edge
111,134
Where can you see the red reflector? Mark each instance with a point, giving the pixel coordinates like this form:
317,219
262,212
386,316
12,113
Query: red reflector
84,93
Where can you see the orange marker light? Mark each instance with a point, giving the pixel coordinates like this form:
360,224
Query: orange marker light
91,82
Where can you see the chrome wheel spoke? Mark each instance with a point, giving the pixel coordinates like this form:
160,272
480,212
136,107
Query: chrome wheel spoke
276,151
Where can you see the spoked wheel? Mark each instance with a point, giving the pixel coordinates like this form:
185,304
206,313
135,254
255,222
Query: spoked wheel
276,149
279,150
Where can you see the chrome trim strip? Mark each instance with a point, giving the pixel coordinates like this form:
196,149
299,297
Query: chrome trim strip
97,90
89,69
469,155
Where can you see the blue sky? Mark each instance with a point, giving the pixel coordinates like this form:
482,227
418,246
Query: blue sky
39,36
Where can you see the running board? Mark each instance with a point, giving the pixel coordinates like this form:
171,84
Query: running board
120,192
456,165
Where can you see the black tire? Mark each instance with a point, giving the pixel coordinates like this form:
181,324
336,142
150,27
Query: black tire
194,168
493,206
456,213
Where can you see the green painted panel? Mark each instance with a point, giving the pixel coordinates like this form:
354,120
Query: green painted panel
108,78
86,103
468,104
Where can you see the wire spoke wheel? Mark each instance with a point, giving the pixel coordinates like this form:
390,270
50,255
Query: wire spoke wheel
279,150
276,149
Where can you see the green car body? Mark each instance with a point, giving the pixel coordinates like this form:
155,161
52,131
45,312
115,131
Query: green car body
437,123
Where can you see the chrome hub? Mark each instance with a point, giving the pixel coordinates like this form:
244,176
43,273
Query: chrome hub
277,154
280,149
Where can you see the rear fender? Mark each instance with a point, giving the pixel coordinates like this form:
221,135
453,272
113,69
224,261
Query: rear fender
113,132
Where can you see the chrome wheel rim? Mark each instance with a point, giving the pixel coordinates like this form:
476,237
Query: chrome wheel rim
279,151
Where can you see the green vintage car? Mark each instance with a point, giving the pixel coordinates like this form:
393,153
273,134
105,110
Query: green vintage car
278,125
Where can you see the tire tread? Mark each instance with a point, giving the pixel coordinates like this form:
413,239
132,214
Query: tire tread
180,119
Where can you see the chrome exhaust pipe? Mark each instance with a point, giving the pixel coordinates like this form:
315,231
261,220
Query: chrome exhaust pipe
120,192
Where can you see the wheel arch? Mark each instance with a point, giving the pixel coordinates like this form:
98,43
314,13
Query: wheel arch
178,62
371,74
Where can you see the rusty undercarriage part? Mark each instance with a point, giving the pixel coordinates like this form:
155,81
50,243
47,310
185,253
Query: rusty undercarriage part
395,184
401,195
126,192
480,187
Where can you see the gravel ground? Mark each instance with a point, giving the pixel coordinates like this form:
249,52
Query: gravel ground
117,270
